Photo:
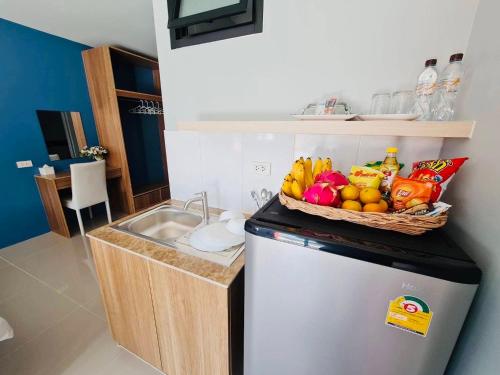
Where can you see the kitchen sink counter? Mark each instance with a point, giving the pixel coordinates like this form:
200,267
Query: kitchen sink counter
168,256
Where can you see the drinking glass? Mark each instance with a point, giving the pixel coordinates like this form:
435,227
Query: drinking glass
402,102
381,103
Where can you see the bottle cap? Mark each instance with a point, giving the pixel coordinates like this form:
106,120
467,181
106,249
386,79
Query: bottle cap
391,150
456,57
431,62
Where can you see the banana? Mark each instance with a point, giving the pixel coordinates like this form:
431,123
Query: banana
287,188
308,164
300,176
297,191
308,176
289,178
318,166
327,165
295,168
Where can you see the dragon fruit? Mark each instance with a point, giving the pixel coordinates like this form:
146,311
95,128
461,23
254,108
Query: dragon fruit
322,193
337,179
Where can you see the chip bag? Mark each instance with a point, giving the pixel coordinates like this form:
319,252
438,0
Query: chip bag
411,196
440,172
365,177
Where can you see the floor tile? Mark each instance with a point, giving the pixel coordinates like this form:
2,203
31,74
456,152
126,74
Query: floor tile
96,307
27,248
53,334
14,282
3,264
128,364
68,268
31,312
79,344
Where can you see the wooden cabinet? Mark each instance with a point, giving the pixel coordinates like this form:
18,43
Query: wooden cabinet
192,318
179,322
125,289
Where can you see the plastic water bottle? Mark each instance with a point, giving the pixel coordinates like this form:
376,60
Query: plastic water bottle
443,105
426,87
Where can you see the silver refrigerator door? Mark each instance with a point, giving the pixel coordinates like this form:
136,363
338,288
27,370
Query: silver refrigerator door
309,312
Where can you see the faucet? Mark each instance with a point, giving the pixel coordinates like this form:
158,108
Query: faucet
204,202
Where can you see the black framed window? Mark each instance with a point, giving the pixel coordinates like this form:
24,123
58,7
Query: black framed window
202,21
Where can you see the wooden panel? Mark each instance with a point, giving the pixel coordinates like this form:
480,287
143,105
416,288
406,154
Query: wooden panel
192,321
52,205
124,283
147,199
79,132
138,95
63,179
236,319
165,193
100,81
161,133
438,129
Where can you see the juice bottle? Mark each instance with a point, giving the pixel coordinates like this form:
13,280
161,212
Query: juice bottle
390,168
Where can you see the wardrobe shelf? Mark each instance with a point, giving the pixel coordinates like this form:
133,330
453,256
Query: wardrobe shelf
137,95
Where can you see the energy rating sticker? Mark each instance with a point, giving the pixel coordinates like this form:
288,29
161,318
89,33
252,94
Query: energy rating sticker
409,314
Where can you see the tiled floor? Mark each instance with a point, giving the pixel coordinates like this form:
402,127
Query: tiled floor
50,297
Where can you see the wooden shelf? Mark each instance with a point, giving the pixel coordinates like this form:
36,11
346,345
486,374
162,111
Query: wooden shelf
138,95
136,58
437,129
148,189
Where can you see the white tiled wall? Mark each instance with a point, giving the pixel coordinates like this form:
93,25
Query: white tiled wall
221,161
221,164
274,148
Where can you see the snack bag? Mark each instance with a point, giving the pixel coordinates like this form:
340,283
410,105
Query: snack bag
440,172
365,177
411,196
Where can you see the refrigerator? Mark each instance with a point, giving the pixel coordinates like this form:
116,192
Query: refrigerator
329,297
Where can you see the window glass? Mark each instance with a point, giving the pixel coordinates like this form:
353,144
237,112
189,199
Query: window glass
190,7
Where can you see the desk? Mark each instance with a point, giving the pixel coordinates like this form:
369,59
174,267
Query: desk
49,187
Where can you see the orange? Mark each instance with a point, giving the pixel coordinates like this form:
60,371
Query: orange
370,195
352,205
349,193
384,205
372,207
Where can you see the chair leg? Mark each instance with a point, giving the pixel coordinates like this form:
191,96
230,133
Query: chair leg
80,222
108,212
91,214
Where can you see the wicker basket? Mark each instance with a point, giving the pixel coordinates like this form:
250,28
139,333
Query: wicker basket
409,224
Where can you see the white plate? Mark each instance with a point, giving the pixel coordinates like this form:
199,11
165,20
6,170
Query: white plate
324,117
399,116
214,237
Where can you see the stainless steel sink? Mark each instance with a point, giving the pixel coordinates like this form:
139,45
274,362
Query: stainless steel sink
164,224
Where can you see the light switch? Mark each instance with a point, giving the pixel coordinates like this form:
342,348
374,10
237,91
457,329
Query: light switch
24,164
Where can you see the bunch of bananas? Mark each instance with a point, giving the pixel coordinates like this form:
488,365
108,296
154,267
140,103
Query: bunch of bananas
303,175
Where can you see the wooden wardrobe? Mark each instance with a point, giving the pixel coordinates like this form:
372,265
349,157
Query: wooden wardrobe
117,81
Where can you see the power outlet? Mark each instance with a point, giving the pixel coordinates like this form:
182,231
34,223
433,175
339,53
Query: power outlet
24,164
261,168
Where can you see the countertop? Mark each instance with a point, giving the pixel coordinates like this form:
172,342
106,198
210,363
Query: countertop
168,256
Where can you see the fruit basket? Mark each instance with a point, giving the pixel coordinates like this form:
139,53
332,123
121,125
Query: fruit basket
404,223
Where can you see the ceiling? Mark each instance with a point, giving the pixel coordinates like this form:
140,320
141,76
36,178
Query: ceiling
125,23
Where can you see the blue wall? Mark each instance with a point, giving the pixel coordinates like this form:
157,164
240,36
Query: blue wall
37,71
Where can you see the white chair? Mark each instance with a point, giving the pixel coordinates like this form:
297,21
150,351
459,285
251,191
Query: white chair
88,187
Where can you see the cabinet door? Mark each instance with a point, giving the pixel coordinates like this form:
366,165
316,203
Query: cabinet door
124,283
193,323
